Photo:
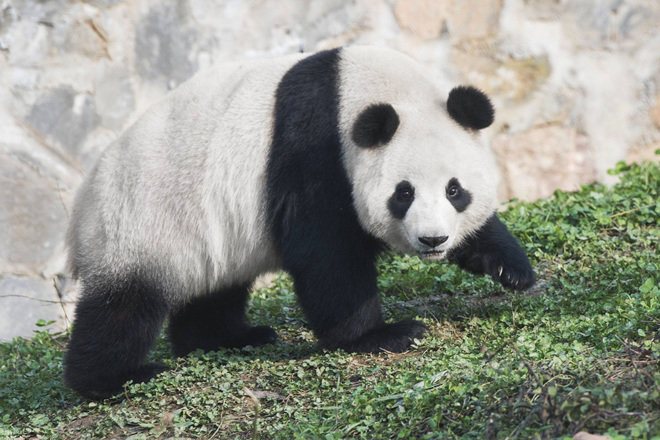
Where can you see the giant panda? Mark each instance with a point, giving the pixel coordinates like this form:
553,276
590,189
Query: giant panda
309,163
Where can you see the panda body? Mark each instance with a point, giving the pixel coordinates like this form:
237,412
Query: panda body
308,163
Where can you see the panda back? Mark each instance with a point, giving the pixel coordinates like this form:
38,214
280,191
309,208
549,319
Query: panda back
180,194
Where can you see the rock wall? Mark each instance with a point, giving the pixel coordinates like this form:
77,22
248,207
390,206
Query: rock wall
576,85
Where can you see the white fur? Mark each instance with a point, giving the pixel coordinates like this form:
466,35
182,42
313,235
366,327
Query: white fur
427,150
182,189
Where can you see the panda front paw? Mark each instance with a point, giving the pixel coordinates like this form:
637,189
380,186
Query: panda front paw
513,273
396,337
494,251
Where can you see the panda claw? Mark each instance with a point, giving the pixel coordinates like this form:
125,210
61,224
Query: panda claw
499,270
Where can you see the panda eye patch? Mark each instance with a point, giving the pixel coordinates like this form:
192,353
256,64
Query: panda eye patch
459,197
401,199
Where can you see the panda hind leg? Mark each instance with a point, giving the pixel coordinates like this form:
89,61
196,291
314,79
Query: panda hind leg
216,320
117,320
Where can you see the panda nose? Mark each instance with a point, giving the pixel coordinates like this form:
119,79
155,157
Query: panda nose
433,241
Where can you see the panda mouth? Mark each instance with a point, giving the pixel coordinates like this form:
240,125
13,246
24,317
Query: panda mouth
433,254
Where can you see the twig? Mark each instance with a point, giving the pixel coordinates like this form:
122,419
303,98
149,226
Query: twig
50,301
222,414
61,301
630,355
584,421
526,421
257,410
59,195
497,350
215,432
529,368
538,408
630,210
639,361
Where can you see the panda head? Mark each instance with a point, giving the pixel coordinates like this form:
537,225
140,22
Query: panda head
422,177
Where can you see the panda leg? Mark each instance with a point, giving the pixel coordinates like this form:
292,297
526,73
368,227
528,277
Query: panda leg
216,320
494,251
344,310
336,284
116,324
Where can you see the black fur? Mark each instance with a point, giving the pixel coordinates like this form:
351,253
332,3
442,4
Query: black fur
401,199
311,215
214,321
458,196
495,252
395,337
117,321
470,107
375,126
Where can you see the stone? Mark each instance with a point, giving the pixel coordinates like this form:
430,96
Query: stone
542,10
509,77
463,20
518,77
65,116
330,20
7,19
644,153
23,302
88,39
542,159
582,435
593,24
473,19
425,19
164,43
114,97
33,218
26,43
655,111
104,3
38,11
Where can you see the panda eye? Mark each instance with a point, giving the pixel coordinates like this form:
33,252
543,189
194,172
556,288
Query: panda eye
405,193
457,195
453,191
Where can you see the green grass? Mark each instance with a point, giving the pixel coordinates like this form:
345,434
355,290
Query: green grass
578,351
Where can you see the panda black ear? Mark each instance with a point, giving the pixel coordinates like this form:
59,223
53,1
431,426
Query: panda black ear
375,126
470,107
